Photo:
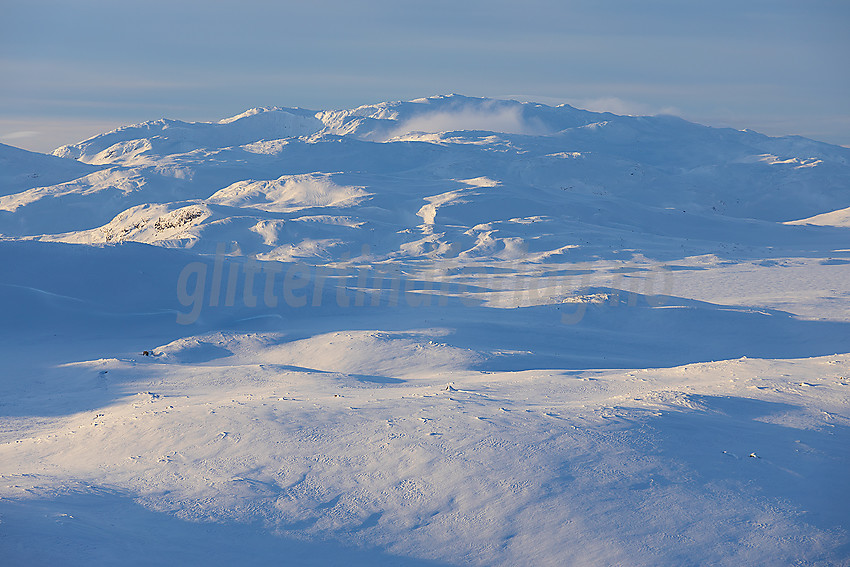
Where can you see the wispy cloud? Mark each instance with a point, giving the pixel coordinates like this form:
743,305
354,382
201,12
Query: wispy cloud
491,118
612,104
45,134
620,106
18,135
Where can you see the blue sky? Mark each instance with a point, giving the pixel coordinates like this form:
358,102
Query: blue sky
69,70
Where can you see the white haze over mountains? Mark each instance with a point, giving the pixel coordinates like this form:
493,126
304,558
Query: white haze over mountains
489,116
447,331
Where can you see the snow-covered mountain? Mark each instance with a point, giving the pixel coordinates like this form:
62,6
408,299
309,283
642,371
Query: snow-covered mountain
445,331
415,180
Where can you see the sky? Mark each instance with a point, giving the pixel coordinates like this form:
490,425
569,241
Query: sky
70,70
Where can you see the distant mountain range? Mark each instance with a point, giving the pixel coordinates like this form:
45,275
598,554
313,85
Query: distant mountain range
446,177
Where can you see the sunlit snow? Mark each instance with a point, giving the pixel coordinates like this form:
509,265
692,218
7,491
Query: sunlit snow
450,331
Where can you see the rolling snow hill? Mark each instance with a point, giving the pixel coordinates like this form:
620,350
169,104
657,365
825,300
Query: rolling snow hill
447,331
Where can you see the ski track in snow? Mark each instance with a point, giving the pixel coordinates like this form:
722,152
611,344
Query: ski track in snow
448,331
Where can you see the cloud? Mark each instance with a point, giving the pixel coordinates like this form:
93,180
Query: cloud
624,107
45,134
491,118
18,135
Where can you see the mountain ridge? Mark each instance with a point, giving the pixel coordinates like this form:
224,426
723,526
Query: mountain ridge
593,179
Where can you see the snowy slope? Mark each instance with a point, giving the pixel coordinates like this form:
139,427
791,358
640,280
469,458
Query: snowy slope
21,170
574,171
447,331
129,144
841,218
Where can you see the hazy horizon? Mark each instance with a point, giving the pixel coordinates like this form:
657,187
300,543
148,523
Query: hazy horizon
71,71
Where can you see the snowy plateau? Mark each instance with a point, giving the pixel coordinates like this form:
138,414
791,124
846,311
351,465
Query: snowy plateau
450,331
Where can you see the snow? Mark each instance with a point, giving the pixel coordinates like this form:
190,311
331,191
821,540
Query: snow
840,218
439,332
289,193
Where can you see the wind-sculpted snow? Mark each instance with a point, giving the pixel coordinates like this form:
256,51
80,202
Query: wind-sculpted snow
438,332
289,193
